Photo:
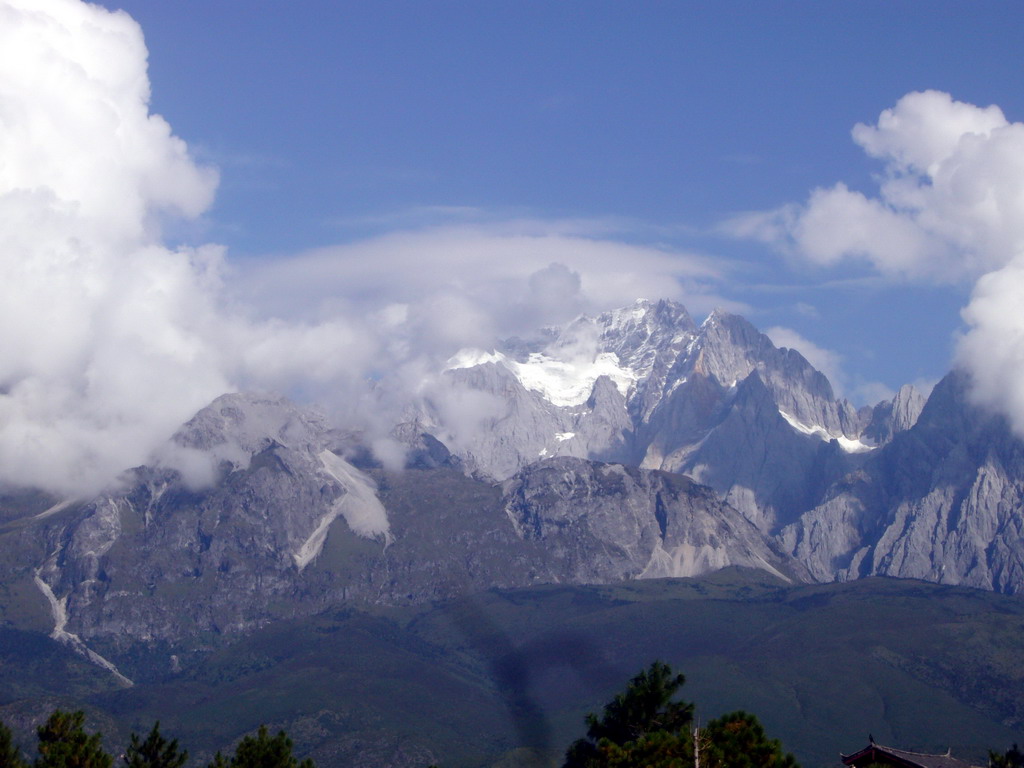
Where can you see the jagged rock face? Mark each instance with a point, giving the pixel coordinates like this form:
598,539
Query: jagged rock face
231,547
644,523
572,472
647,339
728,349
719,402
290,527
757,462
522,427
748,419
891,417
942,502
180,563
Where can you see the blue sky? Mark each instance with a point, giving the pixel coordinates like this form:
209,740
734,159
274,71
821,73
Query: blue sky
333,122
306,197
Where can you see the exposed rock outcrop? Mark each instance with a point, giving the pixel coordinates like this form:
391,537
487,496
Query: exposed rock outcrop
942,502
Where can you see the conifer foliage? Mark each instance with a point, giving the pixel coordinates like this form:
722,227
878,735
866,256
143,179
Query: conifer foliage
738,740
10,755
643,722
646,727
154,752
63,743
262,751
1011,758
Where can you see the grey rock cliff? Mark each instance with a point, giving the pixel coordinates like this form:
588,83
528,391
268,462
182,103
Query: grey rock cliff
942,502
719,402
643,523
288,527
678,450
891,417
755,460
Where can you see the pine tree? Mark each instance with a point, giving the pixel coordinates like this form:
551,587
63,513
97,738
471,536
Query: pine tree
10,755
154,752
632,719
1012,758
262,751
737,740
63,743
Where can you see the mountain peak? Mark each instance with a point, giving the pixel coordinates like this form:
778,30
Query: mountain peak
716,317
237,426
662,312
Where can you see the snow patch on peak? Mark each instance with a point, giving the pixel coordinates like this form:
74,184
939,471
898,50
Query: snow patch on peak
621,318
565,383
570,383
470,358
850,445
716,315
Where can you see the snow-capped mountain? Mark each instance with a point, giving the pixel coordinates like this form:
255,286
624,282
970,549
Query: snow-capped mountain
635,444
646,386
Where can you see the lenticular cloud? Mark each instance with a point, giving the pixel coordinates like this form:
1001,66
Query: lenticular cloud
950,207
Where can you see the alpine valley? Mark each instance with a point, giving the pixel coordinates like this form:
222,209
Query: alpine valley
571,505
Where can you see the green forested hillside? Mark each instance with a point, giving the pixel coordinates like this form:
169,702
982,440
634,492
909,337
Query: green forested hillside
507,676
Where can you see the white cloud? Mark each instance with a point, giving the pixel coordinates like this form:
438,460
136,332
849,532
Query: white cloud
112,340
76,127
949,207
993,349
502,278
950,202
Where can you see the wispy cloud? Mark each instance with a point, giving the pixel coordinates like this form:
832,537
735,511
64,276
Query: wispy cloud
494,265
226,158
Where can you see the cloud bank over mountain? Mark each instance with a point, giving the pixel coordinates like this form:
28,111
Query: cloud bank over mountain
113,338
949,207
505,276
101,322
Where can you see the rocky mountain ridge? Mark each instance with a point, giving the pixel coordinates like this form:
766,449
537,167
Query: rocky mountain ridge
290,528
632,445
646,386
941,503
